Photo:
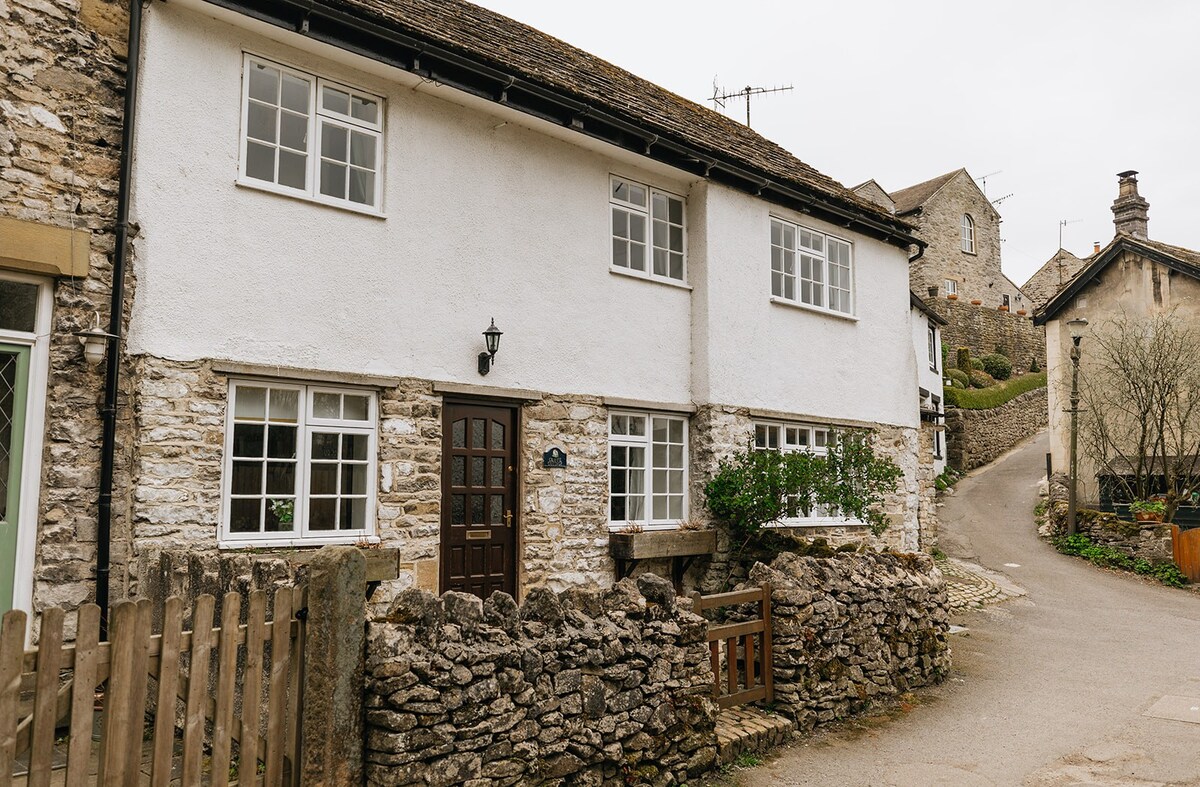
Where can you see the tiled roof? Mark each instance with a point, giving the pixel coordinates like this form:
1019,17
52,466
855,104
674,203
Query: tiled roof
516,48
913,197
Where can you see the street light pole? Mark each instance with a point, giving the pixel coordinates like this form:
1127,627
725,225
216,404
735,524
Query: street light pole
1076,327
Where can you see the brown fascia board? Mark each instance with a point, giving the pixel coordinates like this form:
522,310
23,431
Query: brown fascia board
1099,263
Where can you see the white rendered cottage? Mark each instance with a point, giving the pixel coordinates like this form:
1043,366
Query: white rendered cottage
335,198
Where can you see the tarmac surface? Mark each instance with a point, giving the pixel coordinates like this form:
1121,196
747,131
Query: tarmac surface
1092,677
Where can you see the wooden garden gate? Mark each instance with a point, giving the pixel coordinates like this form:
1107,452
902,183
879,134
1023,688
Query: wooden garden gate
159,700
742,669
1185,550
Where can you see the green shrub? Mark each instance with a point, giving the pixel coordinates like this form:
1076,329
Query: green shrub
959,376
980,379
998,394
1034,366
1110,557
976,365
964,359
997,365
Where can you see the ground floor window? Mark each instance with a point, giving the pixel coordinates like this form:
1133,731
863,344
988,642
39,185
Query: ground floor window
815,440
647,458
299,462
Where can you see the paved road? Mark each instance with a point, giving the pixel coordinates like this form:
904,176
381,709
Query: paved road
1048,689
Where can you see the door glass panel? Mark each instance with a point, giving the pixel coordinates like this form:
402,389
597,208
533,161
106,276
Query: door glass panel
478,464
458,434
478,428
18,306
497,478
497,513
458,471
8,401
458,509
477,509
497,436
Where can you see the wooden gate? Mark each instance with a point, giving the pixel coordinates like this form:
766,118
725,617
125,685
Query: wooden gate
742,669
1185,550
160,700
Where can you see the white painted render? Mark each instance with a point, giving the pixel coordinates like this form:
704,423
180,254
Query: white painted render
928,377
487,214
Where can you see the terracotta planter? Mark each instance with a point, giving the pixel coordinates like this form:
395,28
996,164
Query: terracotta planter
976,302
952,297
1148,516
1003,308
1022,312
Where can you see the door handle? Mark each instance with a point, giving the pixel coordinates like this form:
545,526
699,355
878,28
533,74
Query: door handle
508,518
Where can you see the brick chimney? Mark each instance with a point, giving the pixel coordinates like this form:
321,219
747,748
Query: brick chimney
1130,211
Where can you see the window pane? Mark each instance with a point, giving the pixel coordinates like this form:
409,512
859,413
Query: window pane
660,430
354,479
675,481
247,440
354,514
245,516
354,446
675,212
335,100
617,480
676,238
478,468
477,510
247,478
333,180
327,405
364,109
676,271
637,482
260,122
675,507
323,479
616,509
324,446
295,93
637,194
280,516
281,441
264,83
478,432
497,436
458,509
660,234
334,140
497,472
293,131
497,512
362,150
260,161
776,233
637,426
293,170
355,408
637,256
362,186
660,262
321,513
620,253
660,507
619,455
285,405
458,471
620,190
675,431
637,228
635,508
281,478
658,206
18,306
458,433
250,403
620,220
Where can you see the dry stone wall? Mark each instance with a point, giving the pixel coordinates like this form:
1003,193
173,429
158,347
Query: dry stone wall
854,629
976,437
984,328
582,687
1146,540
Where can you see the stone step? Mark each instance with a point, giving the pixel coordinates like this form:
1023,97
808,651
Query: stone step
748,729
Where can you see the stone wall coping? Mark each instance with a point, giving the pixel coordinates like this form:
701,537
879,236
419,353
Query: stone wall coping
31,247
645,404
295,373
490,391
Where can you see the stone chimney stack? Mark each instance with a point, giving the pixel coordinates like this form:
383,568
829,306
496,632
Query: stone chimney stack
1131,213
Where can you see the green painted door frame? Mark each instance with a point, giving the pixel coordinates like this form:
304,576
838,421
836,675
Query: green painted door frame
14,402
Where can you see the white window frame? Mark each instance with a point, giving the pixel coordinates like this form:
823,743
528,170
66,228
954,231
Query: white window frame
787,438
933,346
307,424
968,233
646,441
647,211
951,286
796,276
312,191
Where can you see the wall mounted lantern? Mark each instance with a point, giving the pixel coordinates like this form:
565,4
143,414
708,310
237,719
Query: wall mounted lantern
492,337
94,340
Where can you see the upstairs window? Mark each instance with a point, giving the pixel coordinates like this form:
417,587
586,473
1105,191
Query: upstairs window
308,137
811,268
968,234
647,230
933,347
951,286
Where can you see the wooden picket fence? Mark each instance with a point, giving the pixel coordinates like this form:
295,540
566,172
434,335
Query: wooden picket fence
743,668
176,707
1185,550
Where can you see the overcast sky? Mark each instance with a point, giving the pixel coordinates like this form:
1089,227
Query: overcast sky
1054,96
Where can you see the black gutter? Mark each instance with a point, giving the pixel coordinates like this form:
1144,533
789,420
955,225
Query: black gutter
116,315
429,60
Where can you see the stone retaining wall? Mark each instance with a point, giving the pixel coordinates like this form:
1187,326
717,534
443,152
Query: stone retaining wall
1147,540
984,328
976,437
582,687
853,629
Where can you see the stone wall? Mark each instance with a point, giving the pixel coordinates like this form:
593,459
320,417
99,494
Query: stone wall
580,688
62,76
984,328
854,629
976,437
1147,540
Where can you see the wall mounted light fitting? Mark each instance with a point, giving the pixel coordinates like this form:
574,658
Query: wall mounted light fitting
492,339
94,340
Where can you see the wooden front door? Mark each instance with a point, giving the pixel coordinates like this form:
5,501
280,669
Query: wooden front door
479,498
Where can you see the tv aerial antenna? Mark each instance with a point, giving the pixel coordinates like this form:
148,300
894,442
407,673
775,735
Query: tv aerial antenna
998,200
1061,224
720,95
983,182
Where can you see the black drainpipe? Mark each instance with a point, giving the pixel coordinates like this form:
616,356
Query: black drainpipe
112,369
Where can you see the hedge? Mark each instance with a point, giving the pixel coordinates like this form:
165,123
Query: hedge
996,395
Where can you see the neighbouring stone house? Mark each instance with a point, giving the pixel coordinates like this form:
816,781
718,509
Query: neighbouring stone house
334,201
1052,276
1131,277
62,72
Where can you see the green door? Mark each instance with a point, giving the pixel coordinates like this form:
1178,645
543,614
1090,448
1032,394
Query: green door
14,390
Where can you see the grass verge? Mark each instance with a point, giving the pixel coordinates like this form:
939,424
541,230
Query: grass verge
995,395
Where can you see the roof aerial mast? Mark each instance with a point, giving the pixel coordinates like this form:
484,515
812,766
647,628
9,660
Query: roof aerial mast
720,96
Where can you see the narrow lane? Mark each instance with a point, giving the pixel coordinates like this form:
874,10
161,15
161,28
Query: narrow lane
1047,689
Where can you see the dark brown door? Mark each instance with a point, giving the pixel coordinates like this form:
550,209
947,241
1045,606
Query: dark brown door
479,499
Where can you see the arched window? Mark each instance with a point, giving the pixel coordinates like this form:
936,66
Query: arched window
968,234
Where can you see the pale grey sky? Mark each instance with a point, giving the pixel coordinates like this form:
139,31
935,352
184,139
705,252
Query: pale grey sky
1057,95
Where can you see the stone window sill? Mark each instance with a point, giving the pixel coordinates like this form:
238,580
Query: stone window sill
284,543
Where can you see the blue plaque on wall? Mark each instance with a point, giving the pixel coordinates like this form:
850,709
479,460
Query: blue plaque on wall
555,457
